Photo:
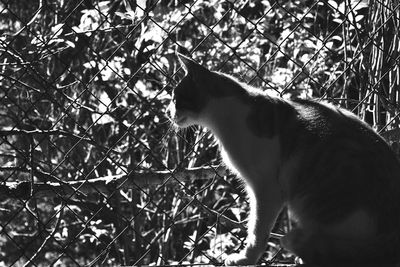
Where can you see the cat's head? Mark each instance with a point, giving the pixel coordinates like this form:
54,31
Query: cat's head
192,96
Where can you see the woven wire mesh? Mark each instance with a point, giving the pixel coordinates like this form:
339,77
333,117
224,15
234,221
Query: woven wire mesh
92,172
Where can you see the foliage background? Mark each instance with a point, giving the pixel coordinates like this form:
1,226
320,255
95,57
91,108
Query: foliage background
84,87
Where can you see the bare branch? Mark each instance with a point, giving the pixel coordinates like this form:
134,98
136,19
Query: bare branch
8,132
107,184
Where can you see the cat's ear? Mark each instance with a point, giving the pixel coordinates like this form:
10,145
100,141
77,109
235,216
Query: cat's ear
189,65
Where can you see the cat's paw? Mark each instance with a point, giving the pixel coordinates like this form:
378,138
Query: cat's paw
239,259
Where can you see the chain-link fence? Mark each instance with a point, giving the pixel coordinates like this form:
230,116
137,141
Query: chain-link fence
92,172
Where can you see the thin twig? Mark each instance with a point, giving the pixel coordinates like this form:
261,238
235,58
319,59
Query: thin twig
53,232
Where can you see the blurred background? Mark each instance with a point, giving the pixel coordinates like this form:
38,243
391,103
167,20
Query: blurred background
91,171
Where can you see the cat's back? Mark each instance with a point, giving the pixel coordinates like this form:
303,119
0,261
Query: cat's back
325,124
326,120
334,134
343,164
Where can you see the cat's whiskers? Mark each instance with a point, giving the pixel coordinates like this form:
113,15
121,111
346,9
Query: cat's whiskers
171,130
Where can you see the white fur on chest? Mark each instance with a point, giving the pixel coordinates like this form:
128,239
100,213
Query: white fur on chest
254,158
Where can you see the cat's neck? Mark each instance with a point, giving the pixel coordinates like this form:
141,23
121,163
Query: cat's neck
229,119
226,115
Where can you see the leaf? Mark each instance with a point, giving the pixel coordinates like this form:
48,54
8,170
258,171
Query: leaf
333,4
57,29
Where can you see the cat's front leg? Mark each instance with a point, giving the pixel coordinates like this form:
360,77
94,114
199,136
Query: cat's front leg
264,208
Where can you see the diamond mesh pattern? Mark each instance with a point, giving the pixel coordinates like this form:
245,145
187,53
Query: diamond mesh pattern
91,171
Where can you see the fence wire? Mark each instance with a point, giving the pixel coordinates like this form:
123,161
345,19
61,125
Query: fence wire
91,171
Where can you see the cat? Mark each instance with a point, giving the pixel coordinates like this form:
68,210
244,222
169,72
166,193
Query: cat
338,178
